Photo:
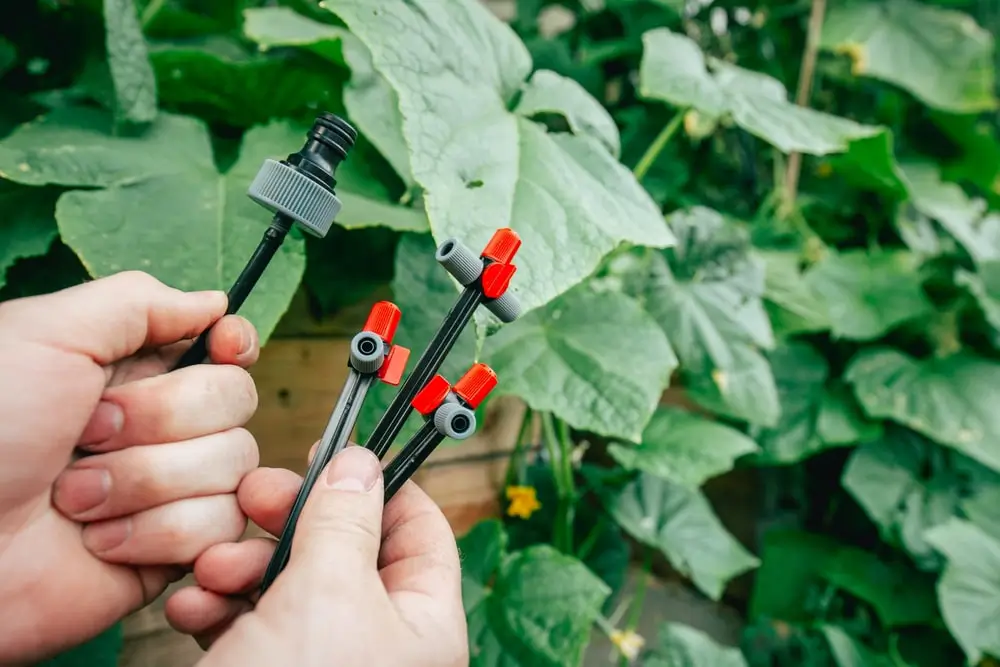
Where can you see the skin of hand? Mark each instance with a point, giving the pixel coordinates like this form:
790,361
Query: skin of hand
364,585
116,474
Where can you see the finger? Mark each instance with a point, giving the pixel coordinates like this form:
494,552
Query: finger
419,553
176,533
235,568
234,340
341,523
114,317
134,479
266,496
196,611
188,403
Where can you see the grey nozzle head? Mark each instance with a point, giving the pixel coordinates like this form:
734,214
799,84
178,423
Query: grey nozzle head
283,189
455,421
506,307
367,352
459,261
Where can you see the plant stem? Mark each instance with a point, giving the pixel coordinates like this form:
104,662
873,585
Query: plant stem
563,533
635,609
655,148
515,465
806,72
150,12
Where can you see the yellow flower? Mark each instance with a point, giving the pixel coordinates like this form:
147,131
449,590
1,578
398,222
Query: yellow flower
628,642
523,501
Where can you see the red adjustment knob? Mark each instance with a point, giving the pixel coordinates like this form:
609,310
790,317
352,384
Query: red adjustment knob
503,246
476,385
391,370
431,396
383,320
496,279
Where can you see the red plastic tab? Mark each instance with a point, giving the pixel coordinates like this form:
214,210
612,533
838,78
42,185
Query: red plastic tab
496,279
394,364
431,396
503,246
383,320
476,385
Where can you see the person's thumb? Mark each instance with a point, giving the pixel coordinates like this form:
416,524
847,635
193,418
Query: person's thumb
340,530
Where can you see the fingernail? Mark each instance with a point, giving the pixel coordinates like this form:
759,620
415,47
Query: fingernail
355,469
106,422
81,489
246,340
101,537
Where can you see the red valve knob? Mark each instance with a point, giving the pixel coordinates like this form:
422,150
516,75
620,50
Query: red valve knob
476,385
431,396
383,320
496,279
391,371
503,246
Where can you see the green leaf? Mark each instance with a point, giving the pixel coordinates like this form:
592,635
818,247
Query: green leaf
978,159
706,295
675,71
217,79
683,448
370,101
683,646
367,200
792,304
458,104
801,373
984,286
156,202
482,550
907,484
424,292
579,357
539,612
941,56
848,652
548,92
841,421
101,651
960,215
27,224
969,588
950,400
680,522
796,565
8,56
867,294
128,59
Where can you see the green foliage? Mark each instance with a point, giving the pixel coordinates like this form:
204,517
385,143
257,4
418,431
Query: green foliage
819,278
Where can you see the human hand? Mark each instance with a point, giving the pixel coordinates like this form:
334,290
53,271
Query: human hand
362,587
81,546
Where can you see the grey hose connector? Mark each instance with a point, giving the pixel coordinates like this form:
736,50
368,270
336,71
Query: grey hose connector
506,307
459,261
455,421
282,189
366,352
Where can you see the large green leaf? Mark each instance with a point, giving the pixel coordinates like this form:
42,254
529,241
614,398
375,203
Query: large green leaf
538,613
680,522
951,400
683,646
674,70
684,448
939,55
128,59
595,359
867,294
459,103
706,295
792,304
424,292
841,421
27,224
217,79
800,372
103,650
156,202
370,101
969,589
